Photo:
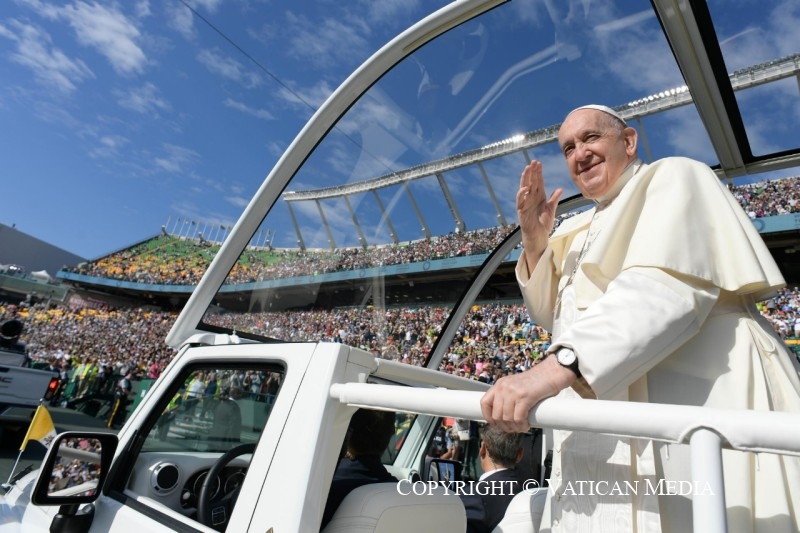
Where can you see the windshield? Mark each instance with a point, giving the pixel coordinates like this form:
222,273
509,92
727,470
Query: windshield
389,219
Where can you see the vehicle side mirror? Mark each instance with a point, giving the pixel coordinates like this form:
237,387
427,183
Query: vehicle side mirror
441,470
75,468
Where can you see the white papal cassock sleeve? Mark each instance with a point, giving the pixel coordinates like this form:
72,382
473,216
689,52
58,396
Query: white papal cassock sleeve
645,315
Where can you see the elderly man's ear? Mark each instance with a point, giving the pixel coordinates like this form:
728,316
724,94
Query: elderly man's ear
631,140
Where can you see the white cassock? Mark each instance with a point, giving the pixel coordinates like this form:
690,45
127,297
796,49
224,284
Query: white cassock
657,288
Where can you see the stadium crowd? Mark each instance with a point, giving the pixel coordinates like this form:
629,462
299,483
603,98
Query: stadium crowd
769,198
93,348
169,260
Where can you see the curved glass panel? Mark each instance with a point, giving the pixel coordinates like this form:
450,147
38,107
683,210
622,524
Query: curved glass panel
390,217
760,47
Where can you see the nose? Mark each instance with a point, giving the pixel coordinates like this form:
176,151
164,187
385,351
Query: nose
582,153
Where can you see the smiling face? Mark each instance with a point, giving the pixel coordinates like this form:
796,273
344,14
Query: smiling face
598,148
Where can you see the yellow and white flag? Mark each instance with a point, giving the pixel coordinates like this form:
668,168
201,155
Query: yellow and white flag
41,429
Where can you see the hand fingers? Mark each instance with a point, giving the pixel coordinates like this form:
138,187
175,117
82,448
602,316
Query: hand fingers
486,405
555,197
530,174
502,406
521,410
531,184
506,406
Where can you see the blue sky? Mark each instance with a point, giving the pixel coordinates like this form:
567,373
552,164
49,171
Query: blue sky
117,116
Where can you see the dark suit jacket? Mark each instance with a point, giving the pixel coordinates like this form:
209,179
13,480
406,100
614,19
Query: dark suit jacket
488,503
351,474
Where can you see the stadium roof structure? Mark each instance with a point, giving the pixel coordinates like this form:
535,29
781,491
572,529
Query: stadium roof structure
735,156
428,137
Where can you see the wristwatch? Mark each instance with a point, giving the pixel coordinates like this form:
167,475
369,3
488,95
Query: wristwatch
567,358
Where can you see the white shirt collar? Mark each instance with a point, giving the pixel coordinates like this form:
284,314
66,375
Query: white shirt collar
490,472
624,178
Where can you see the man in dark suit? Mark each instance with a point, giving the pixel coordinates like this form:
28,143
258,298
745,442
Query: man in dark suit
227,426
368,436
487,499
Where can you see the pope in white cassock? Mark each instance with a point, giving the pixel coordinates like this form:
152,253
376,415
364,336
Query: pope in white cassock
650,297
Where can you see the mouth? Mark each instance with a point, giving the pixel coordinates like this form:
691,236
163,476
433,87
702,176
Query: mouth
586,169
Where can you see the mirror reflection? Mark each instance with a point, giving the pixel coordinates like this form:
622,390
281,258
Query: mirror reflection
77,468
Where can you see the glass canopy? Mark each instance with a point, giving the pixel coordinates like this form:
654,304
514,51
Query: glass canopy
405,199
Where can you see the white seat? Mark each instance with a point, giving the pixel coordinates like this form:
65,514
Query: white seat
524,513
380,508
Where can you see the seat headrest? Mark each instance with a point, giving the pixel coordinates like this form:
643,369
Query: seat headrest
381,508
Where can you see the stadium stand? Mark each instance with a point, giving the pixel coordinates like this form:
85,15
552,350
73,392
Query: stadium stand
494,340
171,260
80,338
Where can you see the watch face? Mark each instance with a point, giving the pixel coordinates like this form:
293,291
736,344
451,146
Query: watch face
566,356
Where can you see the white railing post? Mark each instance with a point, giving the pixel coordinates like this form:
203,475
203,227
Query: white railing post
708,495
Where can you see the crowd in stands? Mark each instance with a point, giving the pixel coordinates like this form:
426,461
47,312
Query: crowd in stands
93,348
76,473
769,198
163,260
169,260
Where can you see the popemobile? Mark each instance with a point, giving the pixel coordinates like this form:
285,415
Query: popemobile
435,125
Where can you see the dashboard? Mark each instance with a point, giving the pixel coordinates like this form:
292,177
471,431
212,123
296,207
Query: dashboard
174,480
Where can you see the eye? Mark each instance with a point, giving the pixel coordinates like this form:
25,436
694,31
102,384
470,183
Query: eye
568,150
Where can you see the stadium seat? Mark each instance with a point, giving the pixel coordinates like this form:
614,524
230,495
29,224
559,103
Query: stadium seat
379,507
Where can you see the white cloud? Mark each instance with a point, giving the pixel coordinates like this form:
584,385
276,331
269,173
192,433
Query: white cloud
275,148
176,158
142,8
109,32
228,68
785,20
180,19
108,146
244,108
208,5
50,65
144,99
388,10
238,201
314,96
762,40
332,41
639,55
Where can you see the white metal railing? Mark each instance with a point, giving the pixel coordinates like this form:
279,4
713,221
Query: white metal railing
706,430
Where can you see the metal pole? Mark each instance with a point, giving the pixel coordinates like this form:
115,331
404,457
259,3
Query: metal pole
451,203
425,230
14,468
331,242
708,492
385,217
500,218
300,243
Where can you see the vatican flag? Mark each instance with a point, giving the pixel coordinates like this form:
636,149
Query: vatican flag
41,429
